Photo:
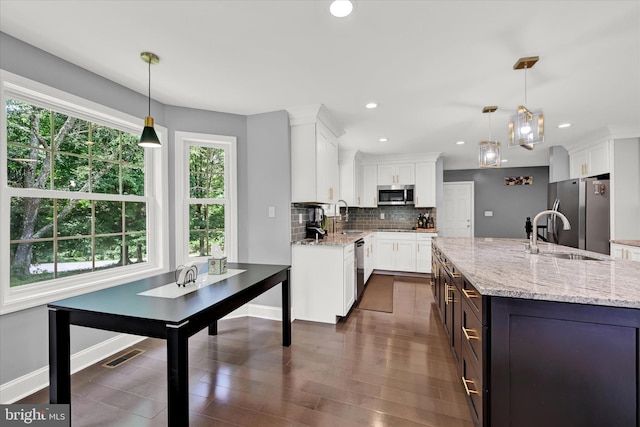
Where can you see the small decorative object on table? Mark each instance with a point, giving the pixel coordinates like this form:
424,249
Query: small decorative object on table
218,262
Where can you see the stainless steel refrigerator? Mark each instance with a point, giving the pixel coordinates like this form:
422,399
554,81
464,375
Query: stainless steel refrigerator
585,203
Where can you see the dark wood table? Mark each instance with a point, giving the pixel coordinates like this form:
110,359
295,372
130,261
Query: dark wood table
121,309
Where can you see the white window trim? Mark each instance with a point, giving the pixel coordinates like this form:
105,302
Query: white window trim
182,141
156,185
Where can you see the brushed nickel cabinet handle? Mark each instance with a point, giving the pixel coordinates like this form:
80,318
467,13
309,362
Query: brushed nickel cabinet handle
469,391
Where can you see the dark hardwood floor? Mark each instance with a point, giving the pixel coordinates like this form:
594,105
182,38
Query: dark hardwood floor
374,369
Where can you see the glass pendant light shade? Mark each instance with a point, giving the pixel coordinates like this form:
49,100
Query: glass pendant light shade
526,128
149,138
489,154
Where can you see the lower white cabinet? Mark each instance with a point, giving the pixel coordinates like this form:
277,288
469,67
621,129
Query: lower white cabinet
369,256
629,252
423,252
349,279
323,282
396,251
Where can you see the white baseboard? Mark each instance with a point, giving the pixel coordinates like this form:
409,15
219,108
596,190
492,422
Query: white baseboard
28,384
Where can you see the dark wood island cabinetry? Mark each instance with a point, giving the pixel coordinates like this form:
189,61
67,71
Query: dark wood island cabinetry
540,341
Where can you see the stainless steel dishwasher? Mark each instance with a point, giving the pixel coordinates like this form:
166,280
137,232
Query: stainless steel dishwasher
359,268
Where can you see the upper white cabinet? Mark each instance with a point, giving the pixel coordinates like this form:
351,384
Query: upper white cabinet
425,187
401,174
314,155
350,178
369,187
590,161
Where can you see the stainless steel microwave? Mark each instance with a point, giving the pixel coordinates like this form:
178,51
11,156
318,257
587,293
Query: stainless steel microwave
395,195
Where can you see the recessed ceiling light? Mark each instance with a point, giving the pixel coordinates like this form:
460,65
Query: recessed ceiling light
371,105
564,125
460,142
341,8
383,139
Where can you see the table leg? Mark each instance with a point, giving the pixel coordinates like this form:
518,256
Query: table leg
286,311
213,328
178,375
59,357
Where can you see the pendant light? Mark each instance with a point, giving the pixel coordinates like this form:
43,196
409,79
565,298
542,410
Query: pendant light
149,138
526,127
489,156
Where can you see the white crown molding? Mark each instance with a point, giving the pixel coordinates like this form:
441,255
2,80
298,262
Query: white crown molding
311,114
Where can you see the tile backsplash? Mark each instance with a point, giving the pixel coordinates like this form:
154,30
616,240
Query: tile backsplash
395,217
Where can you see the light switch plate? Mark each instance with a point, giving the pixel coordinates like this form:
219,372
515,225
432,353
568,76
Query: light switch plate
488,213
272,211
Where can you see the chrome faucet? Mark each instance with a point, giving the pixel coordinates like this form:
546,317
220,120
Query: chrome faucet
346,215
533,240
346,210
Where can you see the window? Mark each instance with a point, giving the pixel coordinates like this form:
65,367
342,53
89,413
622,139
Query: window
206,185
78,197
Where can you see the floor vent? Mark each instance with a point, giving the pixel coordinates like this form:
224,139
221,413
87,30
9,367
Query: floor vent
121,359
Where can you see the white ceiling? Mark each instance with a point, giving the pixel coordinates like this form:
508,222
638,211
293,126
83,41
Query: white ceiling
431,65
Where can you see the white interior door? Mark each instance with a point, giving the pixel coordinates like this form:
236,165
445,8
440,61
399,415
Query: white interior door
456,218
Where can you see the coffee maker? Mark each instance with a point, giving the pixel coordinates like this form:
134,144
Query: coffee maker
314,226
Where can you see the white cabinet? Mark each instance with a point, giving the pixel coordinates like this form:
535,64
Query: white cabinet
369,188
349,279
425,187
369,256
314,156
396,251
619,251
323,282
350,177
423,253
590,161
400,173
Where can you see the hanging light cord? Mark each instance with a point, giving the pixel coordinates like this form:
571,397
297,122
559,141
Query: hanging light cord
150,87
525,85
490,137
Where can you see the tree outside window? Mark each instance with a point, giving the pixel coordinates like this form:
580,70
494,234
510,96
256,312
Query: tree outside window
77,203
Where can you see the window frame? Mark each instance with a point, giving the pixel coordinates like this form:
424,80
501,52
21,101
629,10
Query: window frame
184,140
156,194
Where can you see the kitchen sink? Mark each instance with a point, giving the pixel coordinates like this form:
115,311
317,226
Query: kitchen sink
565,255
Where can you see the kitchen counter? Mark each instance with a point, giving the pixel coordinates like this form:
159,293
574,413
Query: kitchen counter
351,236
627,242
501,267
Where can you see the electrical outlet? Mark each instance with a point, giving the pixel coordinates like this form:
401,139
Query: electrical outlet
272,212
299,218
381,215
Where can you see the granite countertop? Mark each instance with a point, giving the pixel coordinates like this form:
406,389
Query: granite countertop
351,236
627,242
501,267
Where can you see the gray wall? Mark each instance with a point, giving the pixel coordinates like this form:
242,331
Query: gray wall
24,343
511,205
268,170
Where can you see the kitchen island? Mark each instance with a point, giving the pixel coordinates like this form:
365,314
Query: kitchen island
549,339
